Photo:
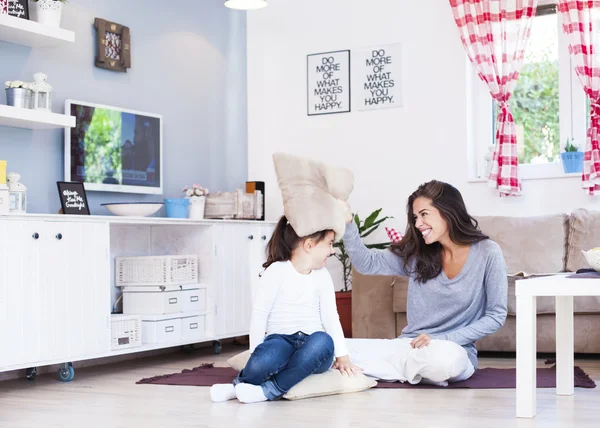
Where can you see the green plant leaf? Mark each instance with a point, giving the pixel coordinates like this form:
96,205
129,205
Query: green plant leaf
374,227
370,219
357,220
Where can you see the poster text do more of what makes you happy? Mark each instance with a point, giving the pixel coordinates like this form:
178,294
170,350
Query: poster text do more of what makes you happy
328,82
370,81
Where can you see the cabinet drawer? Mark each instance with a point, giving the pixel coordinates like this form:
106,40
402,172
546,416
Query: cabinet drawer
151,300
193,327
163,329
193,300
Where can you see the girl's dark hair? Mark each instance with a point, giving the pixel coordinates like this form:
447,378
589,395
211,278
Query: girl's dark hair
463,230
284,240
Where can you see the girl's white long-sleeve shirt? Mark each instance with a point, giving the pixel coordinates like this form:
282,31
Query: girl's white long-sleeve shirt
287,302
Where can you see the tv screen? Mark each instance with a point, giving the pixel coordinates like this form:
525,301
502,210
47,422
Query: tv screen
113,149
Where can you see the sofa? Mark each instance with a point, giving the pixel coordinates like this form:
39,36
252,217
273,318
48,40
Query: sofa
531,246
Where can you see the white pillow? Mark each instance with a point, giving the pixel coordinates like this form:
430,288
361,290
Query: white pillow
314,194
329,383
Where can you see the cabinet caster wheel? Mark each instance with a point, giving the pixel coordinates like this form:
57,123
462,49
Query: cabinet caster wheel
188,349
66,373
217,347
31,373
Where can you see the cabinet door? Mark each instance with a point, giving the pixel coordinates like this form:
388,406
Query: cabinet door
54,291
258,255
77,290
233,292
241,255
20,291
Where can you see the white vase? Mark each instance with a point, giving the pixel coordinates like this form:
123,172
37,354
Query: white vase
49,12
196,208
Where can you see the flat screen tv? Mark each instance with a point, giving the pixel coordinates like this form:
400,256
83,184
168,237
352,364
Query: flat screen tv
113,149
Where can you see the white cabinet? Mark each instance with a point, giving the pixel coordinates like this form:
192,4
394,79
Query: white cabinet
241,253
57,283
54,299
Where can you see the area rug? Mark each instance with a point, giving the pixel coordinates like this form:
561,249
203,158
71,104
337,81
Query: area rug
488,378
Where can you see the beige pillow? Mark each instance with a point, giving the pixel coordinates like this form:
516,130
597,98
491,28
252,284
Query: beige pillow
314,194
329,383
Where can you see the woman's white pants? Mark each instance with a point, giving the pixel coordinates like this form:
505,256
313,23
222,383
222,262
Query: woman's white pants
438,363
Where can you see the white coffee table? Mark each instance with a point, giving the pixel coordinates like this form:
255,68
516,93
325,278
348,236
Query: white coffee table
526,291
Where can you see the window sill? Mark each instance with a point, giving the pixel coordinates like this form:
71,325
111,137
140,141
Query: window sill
536,177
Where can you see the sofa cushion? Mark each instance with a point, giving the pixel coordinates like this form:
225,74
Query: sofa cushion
529,244
584,234
329,383
372,310
545,304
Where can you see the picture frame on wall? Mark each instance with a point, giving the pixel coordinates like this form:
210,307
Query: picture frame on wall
73,199
328,82
113,45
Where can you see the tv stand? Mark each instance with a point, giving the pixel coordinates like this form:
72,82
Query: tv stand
57,276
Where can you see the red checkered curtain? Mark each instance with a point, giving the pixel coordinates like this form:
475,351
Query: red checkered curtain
581,23
495,34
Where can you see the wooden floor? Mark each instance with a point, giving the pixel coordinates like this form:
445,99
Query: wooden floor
107,396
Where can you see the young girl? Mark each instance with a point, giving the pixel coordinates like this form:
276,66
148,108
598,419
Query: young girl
295,306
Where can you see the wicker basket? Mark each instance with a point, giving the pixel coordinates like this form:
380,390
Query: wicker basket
156,270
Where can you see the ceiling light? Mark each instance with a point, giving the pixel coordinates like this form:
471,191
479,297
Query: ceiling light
246,4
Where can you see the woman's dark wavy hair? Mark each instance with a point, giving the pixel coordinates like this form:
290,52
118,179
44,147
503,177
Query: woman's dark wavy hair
463,230
284,240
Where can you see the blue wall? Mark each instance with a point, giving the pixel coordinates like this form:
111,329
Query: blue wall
188,64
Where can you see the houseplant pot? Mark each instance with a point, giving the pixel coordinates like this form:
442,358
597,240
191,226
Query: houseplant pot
197,204
344,297
197,197
572,159
48,12
19,97
343,300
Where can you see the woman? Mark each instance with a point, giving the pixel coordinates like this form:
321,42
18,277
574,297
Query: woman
457,290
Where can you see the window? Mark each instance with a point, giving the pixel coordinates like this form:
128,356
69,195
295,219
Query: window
548,104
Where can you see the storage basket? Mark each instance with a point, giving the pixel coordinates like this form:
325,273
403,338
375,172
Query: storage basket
156,270
125,331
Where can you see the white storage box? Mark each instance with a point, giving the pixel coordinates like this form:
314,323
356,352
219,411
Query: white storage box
156,270
161,329
152,300
193,299
193,326
125,331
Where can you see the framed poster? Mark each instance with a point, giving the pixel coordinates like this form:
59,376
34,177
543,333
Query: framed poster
113,45
73,199
328,81
18,8
376,72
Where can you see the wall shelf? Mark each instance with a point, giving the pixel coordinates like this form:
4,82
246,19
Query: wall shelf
33,119
30,33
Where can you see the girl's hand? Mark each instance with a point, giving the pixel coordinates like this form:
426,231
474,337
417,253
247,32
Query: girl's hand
421,341
344,365
348,213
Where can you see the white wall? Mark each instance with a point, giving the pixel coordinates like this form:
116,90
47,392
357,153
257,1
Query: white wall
390,151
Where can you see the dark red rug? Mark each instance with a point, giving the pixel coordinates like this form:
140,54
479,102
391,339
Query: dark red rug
207,375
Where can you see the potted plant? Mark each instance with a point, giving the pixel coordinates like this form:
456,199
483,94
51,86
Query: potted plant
572,158
18,93
49,12
197,196
344,296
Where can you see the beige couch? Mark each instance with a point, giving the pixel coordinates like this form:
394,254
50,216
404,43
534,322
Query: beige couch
534,245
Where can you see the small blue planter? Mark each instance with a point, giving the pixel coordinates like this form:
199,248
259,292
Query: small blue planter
572,161
177,208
